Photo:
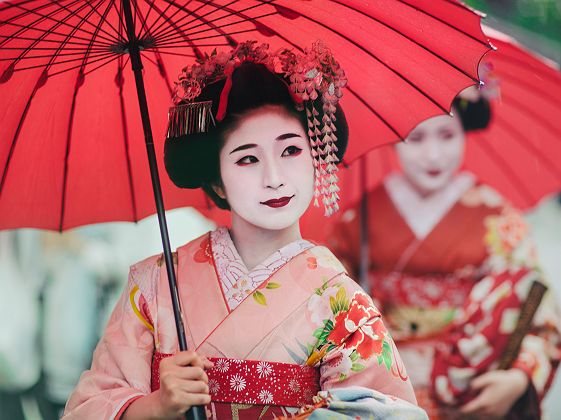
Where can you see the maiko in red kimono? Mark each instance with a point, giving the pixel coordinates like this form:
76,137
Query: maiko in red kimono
450,274
277,334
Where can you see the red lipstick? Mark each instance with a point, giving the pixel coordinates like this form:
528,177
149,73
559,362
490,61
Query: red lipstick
434,172
278,202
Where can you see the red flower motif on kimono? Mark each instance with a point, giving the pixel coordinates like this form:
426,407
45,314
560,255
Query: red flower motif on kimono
204,253
312,263
360,327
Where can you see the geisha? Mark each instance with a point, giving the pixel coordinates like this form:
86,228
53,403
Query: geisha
451,263
271,319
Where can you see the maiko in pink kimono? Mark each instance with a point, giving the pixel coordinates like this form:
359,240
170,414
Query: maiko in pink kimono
271,319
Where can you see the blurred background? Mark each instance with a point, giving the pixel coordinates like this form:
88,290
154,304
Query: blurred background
59,289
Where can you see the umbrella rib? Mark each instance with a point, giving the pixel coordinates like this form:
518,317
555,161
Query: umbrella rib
173,36
556,77
178,29
69,54
225,7
168,43
72,13
528,145
397,73
23,38
60,47
409,39
534,86
105,20
173,45
505,168
178,54
77,85
23,28
156,30
536,116
447,23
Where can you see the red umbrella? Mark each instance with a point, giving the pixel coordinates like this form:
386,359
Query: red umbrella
519,154
69,140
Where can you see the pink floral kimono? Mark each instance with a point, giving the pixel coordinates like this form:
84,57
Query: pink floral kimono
277,334
450,273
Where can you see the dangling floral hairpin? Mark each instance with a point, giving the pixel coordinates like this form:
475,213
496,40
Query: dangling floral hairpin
314,79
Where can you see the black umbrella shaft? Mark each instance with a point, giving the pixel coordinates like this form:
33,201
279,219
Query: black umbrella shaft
196,412
364,267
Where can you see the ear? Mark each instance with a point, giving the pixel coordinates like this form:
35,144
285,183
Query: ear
219,190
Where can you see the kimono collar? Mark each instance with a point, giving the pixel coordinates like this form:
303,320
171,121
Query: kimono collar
422,214
236,279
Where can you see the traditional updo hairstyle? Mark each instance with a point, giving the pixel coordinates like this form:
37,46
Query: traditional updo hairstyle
192,161
473,115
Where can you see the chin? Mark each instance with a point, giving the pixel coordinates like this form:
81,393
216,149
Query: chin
430,186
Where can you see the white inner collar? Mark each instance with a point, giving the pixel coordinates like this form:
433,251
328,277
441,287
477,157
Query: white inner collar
422,214
237,281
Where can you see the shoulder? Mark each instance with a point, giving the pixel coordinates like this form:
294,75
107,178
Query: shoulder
321,257
481,195
145,274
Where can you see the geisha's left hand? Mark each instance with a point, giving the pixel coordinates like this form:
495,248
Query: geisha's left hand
498,391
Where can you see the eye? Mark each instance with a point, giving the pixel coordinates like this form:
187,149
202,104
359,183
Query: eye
415,137
247,160
447,134
292,151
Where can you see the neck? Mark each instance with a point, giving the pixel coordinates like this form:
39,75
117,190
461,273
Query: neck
254,244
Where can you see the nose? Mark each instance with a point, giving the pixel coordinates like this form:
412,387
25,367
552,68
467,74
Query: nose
272,175
433,151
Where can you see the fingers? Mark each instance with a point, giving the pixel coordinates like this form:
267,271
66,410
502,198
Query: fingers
184,373
185,358
482,381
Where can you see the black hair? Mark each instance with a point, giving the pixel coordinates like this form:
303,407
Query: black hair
473,115
192,161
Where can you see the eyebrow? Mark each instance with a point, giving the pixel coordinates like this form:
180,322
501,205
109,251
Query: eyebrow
252,145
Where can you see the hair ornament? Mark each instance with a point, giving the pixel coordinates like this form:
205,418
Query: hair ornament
314,78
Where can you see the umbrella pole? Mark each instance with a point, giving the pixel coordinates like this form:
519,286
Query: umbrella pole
364,239
196,412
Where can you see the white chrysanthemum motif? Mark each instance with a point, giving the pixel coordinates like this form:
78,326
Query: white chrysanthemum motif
213,386
222,365
237,383
294,385
266,397
264,369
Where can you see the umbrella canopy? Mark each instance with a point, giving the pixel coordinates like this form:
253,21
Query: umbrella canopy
519,153
70,133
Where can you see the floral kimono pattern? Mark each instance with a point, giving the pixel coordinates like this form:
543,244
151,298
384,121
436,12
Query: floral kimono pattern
451,287
307,317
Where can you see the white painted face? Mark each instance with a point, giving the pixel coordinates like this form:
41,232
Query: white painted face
267,169
432,153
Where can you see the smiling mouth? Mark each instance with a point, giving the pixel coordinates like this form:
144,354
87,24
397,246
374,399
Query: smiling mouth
278,202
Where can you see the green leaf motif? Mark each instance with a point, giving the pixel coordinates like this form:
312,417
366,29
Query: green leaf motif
322,333
272,285
387,355
354,356
260,298
340,302
357,367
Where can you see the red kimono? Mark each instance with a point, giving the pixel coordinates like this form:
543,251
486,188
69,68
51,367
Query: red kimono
451,273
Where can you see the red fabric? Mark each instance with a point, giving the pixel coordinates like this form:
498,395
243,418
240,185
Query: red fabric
481,328
71,142
255,382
